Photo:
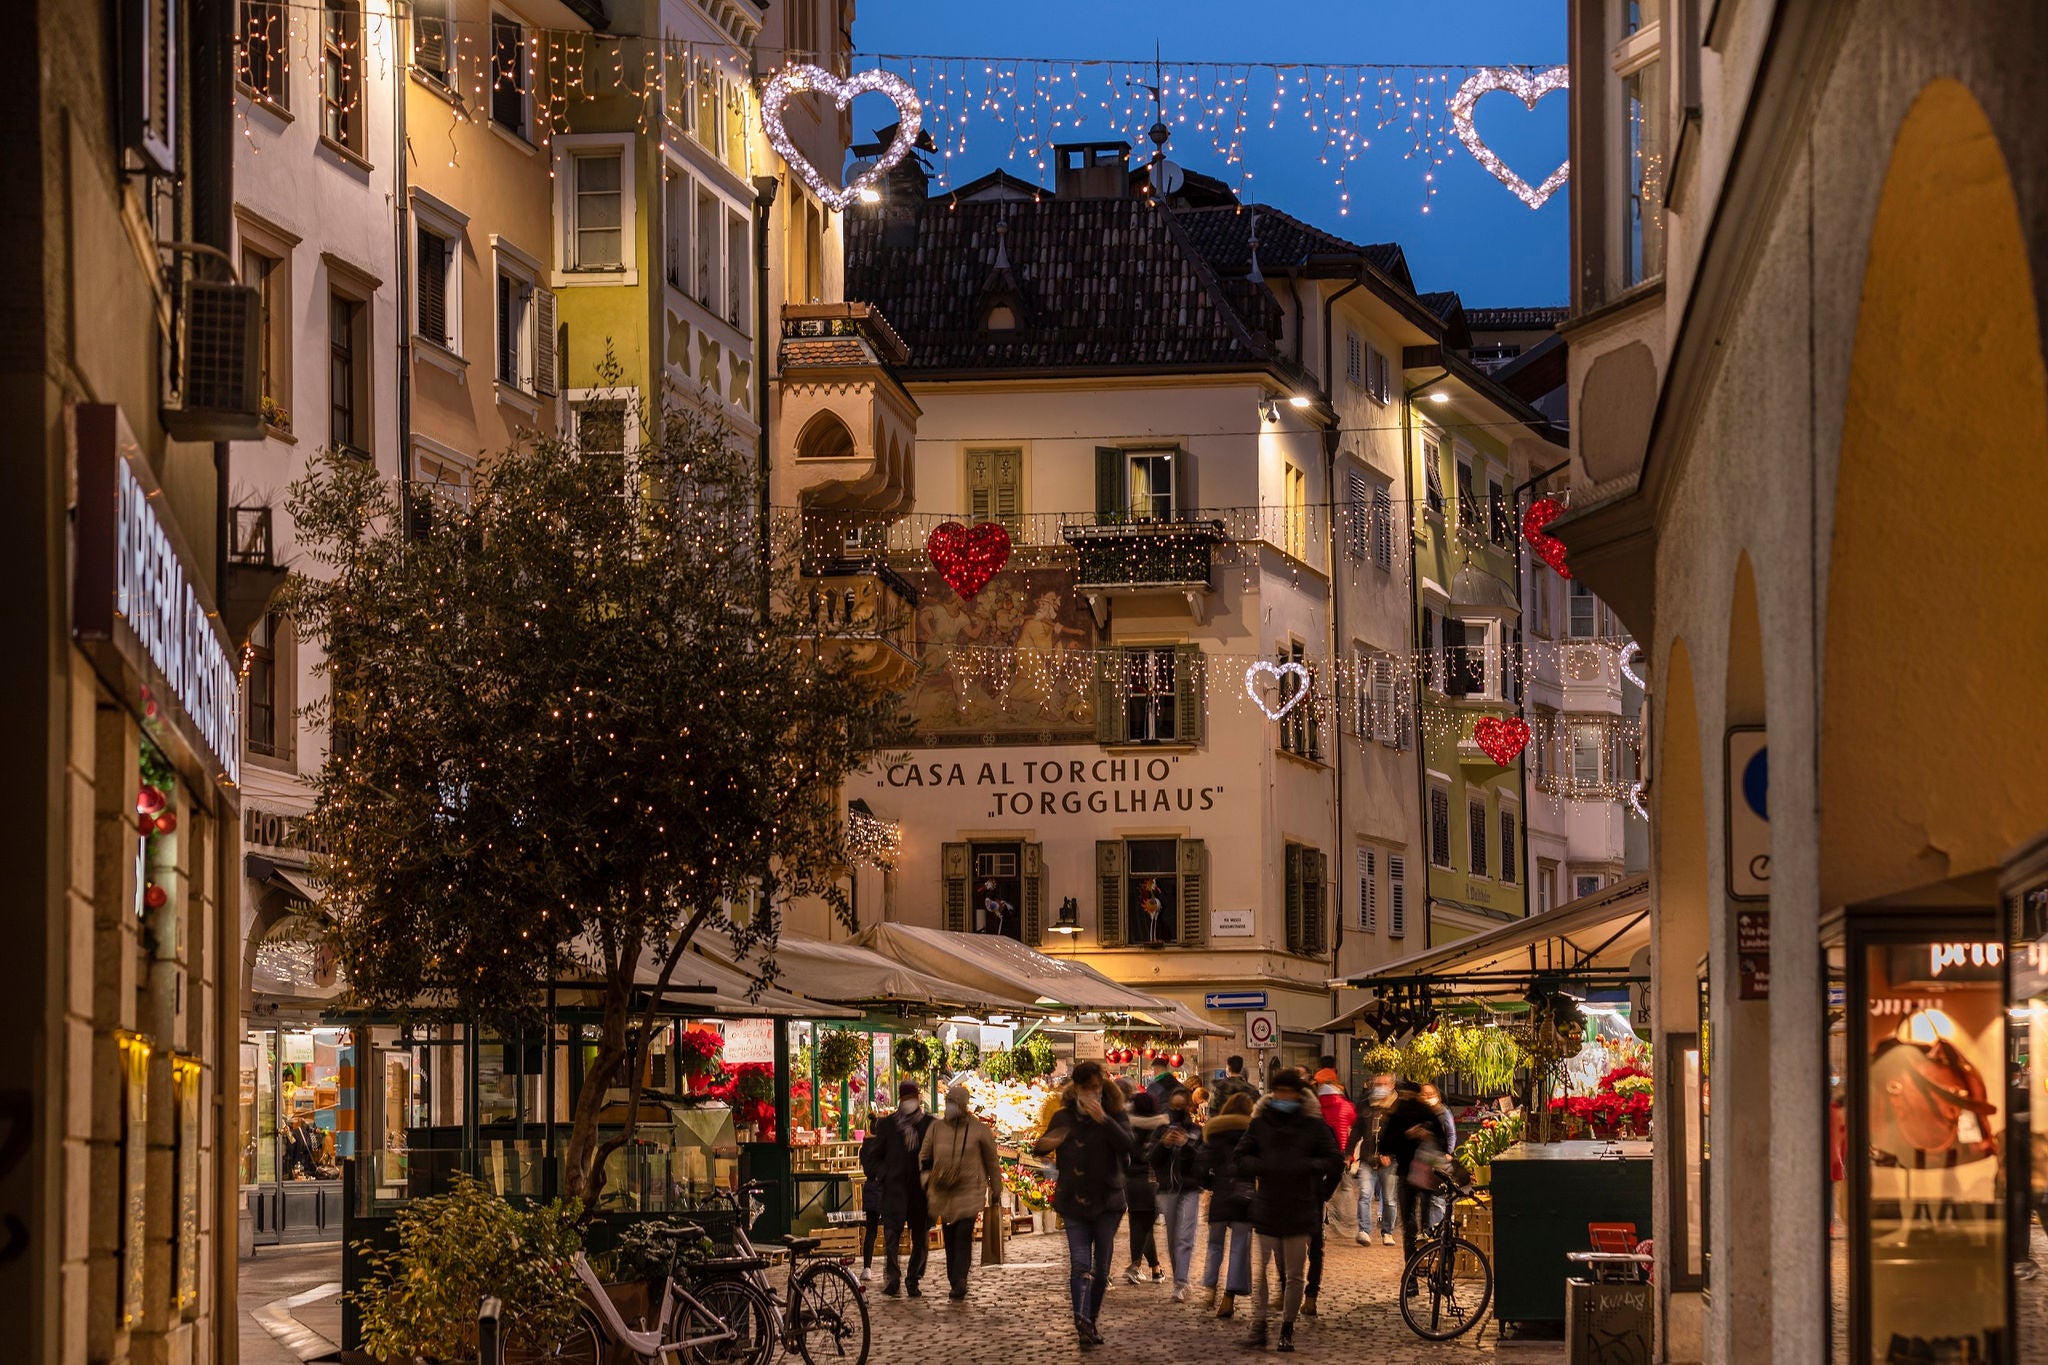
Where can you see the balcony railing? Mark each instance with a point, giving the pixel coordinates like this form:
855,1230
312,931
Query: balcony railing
1146,554
252,544
869,611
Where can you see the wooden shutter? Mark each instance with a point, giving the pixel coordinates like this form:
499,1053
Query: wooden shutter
1383,526
1194,893
1397,895
981,485
954,878
1007,489
1314,877
1188,696
432,270
1507,845
1439,827
1467,671
1357,502
1291,875
1033,880
1187,501
1475,836
1368,890
430,39
1111,669
544,342
1109,484
1109,881
1431,677
1389,727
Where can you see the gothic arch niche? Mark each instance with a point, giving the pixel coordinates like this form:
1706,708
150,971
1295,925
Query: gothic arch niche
825,437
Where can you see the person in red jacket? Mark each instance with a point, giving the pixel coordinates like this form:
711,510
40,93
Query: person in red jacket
1337,1110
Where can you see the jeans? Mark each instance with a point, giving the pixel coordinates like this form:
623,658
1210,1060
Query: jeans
1315,1263
1416,1206
1240,1280
1091,1243
1183,1209
1144,1246
920,1250
958,1236
1376,1199
1292,1252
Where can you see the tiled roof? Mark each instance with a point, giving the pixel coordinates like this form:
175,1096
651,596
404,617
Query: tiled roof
1225,237
1514,319
1107,283
824,351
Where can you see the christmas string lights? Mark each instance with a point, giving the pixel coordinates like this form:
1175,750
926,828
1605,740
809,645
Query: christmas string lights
796,80
1528,86
1289,697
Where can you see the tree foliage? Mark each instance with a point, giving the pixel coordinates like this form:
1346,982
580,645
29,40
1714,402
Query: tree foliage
564,736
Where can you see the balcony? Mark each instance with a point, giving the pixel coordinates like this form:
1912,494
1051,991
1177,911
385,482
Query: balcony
868,613
849,428
1132,557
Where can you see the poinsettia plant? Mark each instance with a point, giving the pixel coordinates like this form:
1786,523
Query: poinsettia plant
1623,1102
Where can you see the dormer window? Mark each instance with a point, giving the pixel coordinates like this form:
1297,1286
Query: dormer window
1001,318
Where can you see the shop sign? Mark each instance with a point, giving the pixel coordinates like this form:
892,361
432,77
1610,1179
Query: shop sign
1011,787
274,829
1753,954
1748,781
1231,924
749,1040
134,585
1088,1047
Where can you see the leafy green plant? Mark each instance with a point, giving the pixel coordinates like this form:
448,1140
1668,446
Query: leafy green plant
997,1064
1381,1059
1033,1057
1423,1058
649,1249
963,1055
841,1052
419,1302
913,1055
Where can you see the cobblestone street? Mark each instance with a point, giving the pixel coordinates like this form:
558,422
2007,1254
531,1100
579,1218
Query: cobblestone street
1018,1312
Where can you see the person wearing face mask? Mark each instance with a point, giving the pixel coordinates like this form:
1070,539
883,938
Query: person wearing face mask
1090,1141
1447,1123
1176,1160
1291,1155
1408,1121
962,1177
1376,1192
903,1198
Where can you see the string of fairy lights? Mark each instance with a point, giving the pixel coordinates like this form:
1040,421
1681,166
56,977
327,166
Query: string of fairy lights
978,110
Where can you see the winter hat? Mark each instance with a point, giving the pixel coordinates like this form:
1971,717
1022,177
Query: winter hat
1404,1086
907,1090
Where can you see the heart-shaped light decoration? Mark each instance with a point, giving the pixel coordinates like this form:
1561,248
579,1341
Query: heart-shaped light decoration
1629,654
1635,801
800,79
1529,87
967,557
1548,548
1500,739
1263,669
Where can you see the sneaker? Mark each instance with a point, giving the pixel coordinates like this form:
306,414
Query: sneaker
1158,1275
1209,1298
867,1272
1131,1273
1365,1239
914,1292
1386,1239
1287,1336
1180,1293
1257,1340
1308,1310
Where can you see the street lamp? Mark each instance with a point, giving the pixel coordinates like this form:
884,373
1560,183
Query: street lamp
1069,921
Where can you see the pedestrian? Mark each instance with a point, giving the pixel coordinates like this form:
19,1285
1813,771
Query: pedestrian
1233,1081
1402,1131
903,1199
1090,1140
1376,1197
1230,1204
1176,1161
1291,1156
1335,1112
1141,1196
1163,1081
961,1178
871,1193
1447,1125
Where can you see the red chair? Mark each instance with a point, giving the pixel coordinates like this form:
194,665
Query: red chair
1614,1237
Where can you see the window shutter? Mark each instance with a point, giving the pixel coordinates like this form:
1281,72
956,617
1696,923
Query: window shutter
1368,890
544,342
1387,725
1364,692
1109,484
1194,893
953,873
1507,845
1008,489
432,271
1357,499
430,40
1439,827
1397,895
1187,502
1314,905
1292,874
1109,904
980,487
1188,696
1033,879
1111,670
1475,836
1383,526
1458,682
1432,677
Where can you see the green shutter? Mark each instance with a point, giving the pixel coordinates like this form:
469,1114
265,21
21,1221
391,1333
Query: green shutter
953,872
1109,484
1109,880
1314,903
1186,500
1110,666
1008,488
1291,874
1187,694
1033,878
980,486
1194,893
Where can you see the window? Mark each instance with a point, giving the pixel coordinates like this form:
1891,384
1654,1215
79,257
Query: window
433,40
1149,479
262,685
1366,670
1294,523
993,888
1475,834
1543,736
1378,376
739,271
597,237
1382,527
435,301
1537,595
1439,827
508,75
1507,844
710,260
526,342
677,197
1354,359
1436,676
1306,874
1474,657
347,374
678,79
1588,762
1584,886
1300,729
1153,484
1468,505
1389,725
606,428
1397,895
1497,505
1584,623
995,488
150,71
267,274
1643,255
515,331
803,246
1546,881
1150,696
1151,892
341,75
1368,890
1433,477
265,51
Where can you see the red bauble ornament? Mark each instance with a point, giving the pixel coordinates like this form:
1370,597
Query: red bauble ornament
145,825
967,557
154,896
1175,1061
167,822
149,800
1548,548
1500,740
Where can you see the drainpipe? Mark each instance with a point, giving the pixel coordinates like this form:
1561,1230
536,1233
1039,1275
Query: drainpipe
764,200
403,257
1414,586
1522,662
1331,440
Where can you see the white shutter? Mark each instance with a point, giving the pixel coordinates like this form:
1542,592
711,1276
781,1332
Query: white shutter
544,342
1368,890
1397,895
1387,725
1357,505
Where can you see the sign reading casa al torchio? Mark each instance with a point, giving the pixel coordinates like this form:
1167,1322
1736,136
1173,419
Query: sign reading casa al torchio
1063,786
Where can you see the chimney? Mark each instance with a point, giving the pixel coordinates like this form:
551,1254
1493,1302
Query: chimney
1092,170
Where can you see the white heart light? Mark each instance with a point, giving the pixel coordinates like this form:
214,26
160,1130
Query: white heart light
1529,86
1635,801
1629,654
1277,672
792,81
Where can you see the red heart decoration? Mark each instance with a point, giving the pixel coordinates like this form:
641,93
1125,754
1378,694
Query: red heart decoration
1500,740
1548,548
968,557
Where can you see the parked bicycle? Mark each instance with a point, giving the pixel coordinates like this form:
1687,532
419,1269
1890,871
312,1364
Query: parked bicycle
1447,1284
821,1313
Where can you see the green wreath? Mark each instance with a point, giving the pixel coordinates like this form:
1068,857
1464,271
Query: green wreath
913,1055
997,1064
963,1055
1033,1057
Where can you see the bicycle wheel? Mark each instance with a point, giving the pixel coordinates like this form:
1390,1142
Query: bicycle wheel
1453,1285
582,1345
716,1306
830,1317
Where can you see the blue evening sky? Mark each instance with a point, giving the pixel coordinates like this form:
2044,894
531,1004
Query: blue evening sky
1476,237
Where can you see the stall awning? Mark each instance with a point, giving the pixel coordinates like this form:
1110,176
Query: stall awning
998,964
704,988
1596,935
850,973
1175,1017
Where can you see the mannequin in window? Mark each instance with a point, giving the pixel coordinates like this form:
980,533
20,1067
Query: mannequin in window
994,909
1151,903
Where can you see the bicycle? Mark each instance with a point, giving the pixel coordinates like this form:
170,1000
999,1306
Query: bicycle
1437,1303
822,1312
722,1321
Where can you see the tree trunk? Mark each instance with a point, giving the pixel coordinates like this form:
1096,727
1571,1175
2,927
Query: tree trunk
580,1176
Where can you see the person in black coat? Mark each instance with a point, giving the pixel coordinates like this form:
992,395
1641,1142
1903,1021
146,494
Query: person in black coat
1230,1203
871,1193
1401,1133
1090,1139
1291,1154
1175,1159
903,1202
1141,1195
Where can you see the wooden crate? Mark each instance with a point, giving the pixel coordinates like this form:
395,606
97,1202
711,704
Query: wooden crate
1475,1225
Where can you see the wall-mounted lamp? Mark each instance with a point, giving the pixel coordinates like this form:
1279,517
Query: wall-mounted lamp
1269,411
1069,921
1299,400
1439,397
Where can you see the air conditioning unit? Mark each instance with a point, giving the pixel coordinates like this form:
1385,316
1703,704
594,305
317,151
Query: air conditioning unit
220,375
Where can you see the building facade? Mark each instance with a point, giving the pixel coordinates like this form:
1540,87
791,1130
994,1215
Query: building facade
1780,213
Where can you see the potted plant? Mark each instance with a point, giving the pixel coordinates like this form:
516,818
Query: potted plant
697,1054
840,1053
1033,1057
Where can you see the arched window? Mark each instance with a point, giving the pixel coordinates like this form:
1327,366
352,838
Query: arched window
825,437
